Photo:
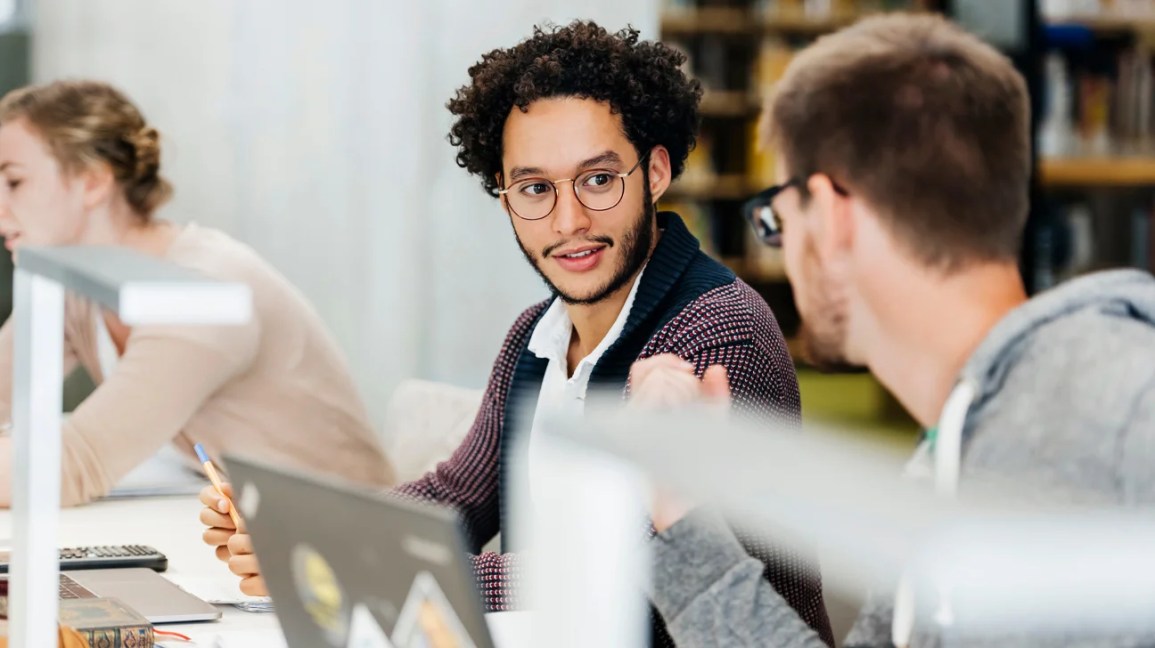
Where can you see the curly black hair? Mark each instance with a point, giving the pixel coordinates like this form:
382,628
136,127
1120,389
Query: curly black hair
641,80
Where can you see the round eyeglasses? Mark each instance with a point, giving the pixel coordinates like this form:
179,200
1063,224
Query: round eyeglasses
596,189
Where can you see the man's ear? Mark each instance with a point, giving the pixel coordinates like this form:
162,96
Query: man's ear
832,218
659,172
500,180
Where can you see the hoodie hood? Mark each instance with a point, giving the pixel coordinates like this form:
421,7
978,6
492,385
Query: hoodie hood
1125,294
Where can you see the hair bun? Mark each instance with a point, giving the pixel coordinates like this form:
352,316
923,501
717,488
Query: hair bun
146,143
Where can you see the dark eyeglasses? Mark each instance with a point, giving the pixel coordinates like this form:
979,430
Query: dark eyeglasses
759,211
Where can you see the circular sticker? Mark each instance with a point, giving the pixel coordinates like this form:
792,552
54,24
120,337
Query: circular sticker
320,593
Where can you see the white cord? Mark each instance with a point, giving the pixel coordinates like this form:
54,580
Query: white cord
947,462
948,443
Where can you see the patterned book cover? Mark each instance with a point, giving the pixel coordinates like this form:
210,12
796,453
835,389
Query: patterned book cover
107,623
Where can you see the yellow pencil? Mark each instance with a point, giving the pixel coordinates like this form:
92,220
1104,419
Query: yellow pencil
215,478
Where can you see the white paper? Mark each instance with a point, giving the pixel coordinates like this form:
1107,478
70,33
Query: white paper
165,473
218,590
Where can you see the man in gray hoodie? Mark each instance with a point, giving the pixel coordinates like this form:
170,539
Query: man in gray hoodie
903,156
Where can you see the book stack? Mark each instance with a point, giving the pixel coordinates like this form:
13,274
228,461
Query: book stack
95,623
107,623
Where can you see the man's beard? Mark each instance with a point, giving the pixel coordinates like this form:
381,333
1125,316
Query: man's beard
636,244
823,330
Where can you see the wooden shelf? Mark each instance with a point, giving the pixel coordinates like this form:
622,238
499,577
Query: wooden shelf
800,22
738,21
754,272
730,104
709,20
1104,171
727,187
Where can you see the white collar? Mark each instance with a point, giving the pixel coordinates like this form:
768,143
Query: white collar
551,336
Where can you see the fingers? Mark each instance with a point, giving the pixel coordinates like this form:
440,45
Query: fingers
668,381
716,384
241,544
223,553
245,565
666,387
213,519
643,368
254,586
217,537
212,499
668,509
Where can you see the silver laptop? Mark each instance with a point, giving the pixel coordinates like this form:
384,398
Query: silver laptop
345,567
153,596
150,594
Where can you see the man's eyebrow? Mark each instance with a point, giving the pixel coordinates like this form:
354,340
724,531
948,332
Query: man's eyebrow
598,160
601,159
521,172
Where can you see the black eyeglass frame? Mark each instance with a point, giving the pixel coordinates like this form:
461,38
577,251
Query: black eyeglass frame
758,211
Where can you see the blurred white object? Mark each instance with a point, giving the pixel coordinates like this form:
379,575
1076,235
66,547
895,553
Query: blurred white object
584,532
140,290
1004,557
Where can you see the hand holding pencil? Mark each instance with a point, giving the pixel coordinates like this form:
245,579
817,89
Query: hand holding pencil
219,485
226,531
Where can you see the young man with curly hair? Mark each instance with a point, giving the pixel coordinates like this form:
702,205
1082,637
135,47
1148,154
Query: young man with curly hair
579,132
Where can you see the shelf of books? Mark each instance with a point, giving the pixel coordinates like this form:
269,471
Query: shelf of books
738,49
1096,138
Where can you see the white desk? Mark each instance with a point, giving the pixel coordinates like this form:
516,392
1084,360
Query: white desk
170,524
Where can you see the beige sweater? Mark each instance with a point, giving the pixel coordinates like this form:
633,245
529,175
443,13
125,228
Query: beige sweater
277,387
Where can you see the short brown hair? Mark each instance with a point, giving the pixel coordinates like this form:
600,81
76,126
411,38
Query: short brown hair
926,122
87,122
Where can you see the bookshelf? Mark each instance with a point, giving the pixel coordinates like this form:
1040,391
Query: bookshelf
1097,135
738,49
736,187
690,21
731,103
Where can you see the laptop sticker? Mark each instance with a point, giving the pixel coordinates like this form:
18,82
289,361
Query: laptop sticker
427,620
320,593
365,632
250,500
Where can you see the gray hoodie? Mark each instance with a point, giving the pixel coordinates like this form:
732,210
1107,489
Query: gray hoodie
1060,393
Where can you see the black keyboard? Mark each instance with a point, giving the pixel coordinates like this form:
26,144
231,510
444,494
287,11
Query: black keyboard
104,557
70,589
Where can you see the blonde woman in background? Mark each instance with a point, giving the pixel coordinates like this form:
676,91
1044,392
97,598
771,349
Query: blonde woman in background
80,166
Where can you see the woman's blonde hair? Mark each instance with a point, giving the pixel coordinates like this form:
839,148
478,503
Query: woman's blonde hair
88,122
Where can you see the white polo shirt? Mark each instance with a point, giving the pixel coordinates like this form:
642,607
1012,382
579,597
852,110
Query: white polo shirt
561,393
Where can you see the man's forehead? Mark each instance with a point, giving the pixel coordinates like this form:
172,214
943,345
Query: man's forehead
578,127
